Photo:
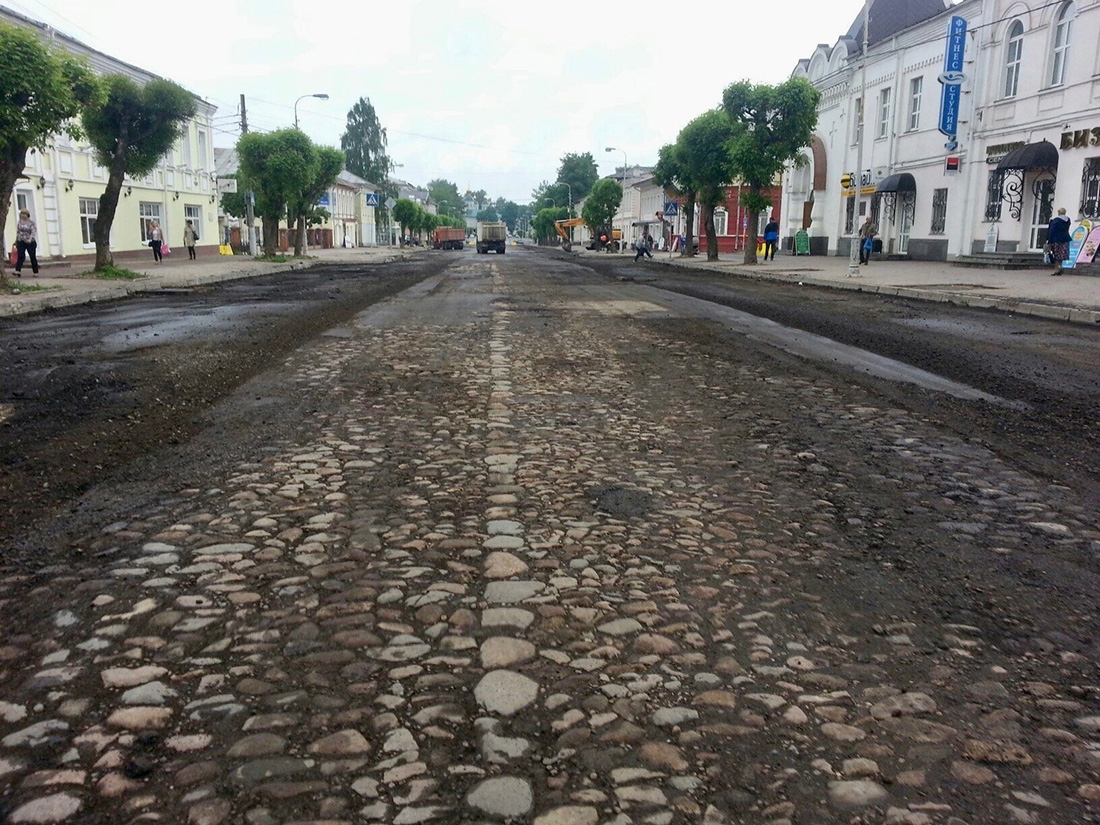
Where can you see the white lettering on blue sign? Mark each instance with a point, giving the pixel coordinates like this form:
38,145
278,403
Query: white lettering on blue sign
951,80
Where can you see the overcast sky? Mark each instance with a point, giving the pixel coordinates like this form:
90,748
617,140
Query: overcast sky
485,93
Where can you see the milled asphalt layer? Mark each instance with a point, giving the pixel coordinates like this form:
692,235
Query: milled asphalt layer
1074,298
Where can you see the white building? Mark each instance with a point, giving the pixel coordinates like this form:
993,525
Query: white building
1028,136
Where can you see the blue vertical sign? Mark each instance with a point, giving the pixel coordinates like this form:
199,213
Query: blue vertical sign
951,81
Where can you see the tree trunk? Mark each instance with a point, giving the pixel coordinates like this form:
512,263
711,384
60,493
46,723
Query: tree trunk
11,168
299,235
712,238
754,228
108,205
271,234
689,227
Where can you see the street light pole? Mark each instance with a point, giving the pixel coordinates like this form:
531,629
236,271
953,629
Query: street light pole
320,96
857,242
622,237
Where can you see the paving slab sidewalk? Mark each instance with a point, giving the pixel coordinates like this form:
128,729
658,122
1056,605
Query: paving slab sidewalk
65,287
1069,297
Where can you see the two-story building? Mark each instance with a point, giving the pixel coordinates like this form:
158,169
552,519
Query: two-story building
62,183
1024,110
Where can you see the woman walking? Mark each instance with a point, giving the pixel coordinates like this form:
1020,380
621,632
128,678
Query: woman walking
1058,238
190,236
26,242
156,238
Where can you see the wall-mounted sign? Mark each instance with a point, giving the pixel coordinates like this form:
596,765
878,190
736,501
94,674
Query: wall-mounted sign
1080,138
951,81
951,165
996,153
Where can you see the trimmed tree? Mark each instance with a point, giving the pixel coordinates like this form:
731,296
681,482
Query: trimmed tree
601,204
671,173
327,164
447,200
771,126
707,162
42,90
543,222
277,167
404,212
131,129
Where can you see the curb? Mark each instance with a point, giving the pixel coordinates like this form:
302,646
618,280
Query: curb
118,290
1018,306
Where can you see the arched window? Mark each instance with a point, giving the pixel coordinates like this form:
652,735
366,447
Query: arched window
721,222
1062,25
1014,49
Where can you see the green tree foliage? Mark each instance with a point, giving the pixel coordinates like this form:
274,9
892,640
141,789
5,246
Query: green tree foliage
489,214
42,90
705,154
509,213
481,197
771,126
672,173
405,213
446,198
364,143
326,164
131,128
601,204
277,166
543,222
580,172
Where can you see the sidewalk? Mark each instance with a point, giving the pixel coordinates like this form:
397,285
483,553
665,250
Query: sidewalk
66,288
1073,298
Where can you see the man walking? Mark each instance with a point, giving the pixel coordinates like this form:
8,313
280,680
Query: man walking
642,247
867,234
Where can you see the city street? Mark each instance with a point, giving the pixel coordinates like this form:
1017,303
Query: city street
539,538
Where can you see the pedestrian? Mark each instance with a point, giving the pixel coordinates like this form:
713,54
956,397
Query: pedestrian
156,239
771,237
1058,238
26,242
867,234
189,238
642,247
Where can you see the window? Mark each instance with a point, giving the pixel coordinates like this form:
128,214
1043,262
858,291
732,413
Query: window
194,214
916,89
65,163
202,148
185,145
721,222
1090,189
1061,44
1014,50
994,194
147,213
89,209
98,172
939,211
876,209
857,129
884,113
850,216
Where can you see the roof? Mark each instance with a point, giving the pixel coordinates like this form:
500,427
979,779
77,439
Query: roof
888,17
901,182
1033,156
352,179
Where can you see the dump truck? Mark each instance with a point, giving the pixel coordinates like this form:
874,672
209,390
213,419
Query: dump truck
449,237
491,235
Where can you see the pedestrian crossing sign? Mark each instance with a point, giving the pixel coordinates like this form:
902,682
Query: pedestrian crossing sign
372,199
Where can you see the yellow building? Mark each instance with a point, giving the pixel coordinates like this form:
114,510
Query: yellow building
62,184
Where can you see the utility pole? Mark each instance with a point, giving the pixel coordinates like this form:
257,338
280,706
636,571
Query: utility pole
857,242
249,218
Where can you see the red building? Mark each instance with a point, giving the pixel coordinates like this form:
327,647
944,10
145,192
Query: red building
731,221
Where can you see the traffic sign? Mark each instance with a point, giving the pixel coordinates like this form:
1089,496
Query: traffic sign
372,199
390,203
672,209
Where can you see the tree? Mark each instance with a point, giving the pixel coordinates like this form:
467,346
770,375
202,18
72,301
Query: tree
601,204
671,173
771,125
446,197
509,213
580,172
481,197
41,92
277,167
543,222
489,214
364,143
705,155
326,164
404,212
131,129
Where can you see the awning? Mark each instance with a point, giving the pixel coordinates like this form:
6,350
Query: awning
901,182
1035,155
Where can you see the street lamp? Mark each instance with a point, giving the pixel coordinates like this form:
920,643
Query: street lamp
321,96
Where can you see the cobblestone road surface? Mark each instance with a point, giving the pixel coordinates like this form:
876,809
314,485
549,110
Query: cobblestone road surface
548,553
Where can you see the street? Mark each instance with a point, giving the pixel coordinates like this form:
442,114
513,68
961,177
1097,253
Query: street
534,538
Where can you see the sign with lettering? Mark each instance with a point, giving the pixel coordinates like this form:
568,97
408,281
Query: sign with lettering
951,80
997,152
1077,240
801,242
951,165
1080,138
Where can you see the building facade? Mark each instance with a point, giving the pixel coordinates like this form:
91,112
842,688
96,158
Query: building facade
1027,136
62,183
